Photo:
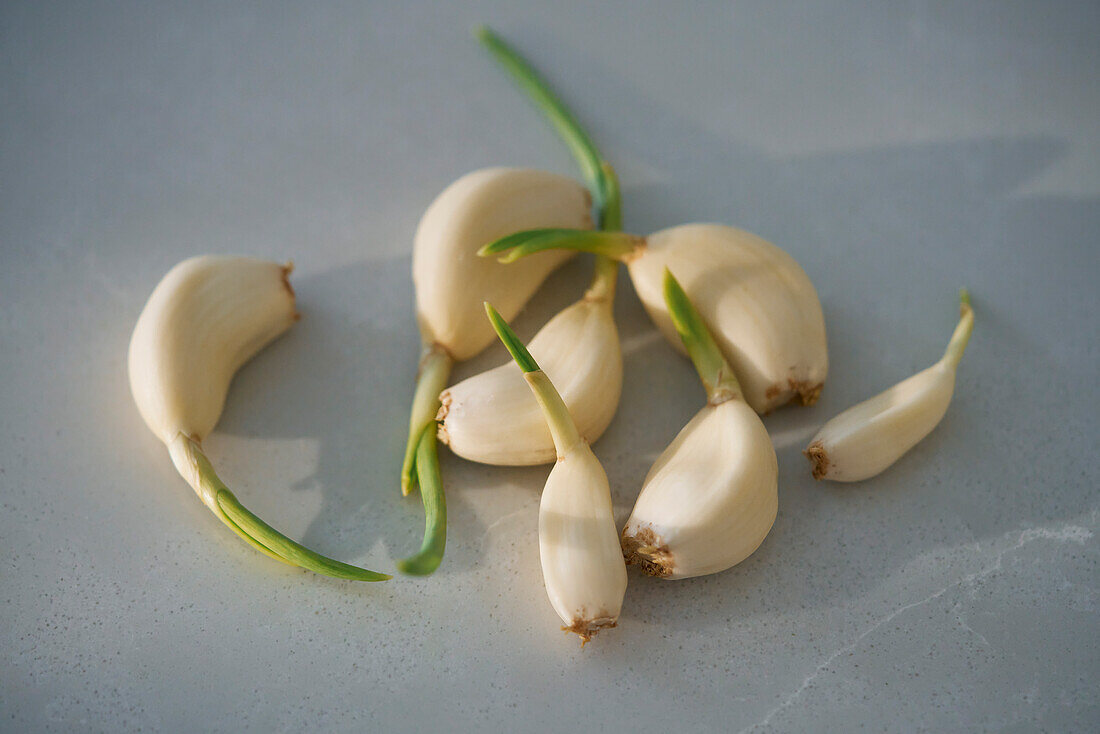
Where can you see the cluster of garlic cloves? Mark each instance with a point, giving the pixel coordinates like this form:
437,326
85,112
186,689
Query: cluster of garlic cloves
867,438
711,497
207,317
493,418
451,282
582,562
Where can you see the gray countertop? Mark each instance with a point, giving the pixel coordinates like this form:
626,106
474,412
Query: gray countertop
897,150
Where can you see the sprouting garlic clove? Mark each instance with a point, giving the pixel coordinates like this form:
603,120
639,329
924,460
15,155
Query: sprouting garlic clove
582,562
870,436
709,500
757,301
207,317
493,418
711,497
452,281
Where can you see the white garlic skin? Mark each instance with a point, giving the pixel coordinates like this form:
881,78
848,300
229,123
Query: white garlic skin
867,438
582,562
207,317
451,280
710,499
756,300
493,417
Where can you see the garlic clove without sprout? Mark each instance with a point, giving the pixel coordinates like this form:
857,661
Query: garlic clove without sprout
582,562
207,317
711,498
757,301
867,438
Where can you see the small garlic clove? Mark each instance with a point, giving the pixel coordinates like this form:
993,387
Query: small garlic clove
757,301
867,438
582,563
452,281
493,418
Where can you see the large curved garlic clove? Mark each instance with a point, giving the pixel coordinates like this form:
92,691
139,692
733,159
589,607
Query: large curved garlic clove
493,418
582,562
207,317
757,301
452,281
709,500
867,438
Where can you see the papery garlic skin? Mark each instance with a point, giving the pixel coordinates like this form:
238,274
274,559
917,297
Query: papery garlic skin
867,438
710,499
452,281
756,300
493,418
207,317
582,562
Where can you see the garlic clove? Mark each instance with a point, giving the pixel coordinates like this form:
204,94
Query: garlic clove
711,497
709,500
206,318
493,418
582,562
451,281
760,305
867,438
757,301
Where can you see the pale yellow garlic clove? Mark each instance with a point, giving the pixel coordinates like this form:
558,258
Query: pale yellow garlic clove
709,500
582,563
493,418
756,300
867,438
452,281
207,317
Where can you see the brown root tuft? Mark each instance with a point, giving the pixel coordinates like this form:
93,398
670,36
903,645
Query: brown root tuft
645,550
586,629
807,392
819,459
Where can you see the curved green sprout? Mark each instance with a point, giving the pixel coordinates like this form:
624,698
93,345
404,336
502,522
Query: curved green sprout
613,245
430,555
536,88
258,533
715,372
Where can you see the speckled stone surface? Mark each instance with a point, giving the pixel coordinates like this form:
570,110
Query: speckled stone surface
898,150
